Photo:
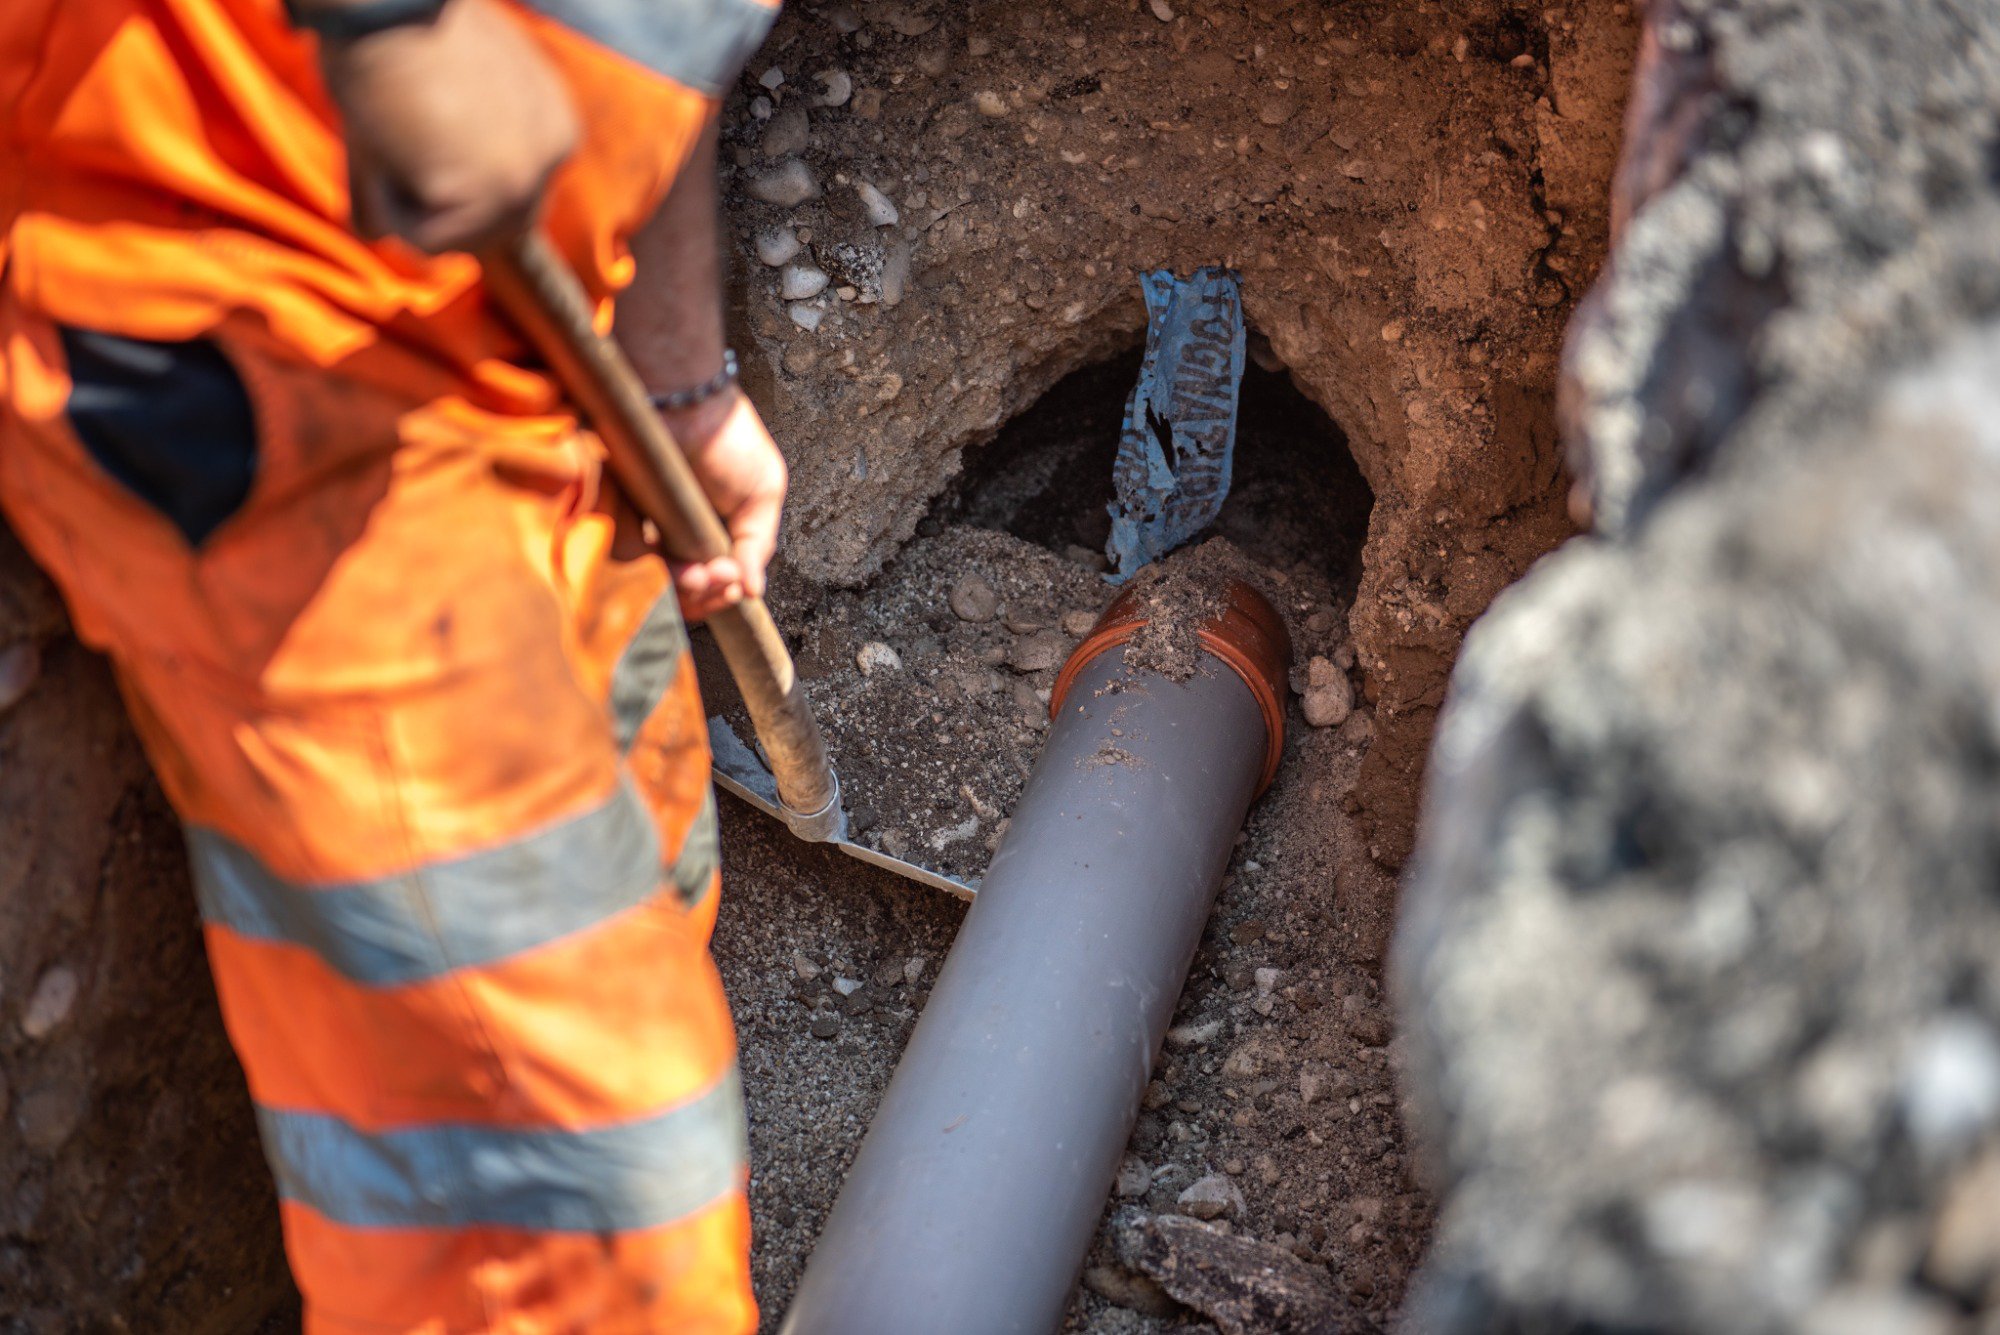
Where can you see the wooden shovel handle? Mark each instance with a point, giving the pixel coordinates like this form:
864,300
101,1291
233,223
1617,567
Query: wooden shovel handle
541,294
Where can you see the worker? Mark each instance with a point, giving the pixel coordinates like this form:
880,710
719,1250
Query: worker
400,654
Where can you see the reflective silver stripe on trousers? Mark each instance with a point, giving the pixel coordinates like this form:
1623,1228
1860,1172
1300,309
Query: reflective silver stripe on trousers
472,910
646,668
633,1175
699,43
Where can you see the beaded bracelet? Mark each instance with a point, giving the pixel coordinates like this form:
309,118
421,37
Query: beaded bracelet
707,389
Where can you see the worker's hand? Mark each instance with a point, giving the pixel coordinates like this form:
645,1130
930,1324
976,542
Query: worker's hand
453,127
744,475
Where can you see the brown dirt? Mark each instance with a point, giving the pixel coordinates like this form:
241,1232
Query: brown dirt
1257,1082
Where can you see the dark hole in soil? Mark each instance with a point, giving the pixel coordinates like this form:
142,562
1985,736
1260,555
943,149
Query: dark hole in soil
1046,478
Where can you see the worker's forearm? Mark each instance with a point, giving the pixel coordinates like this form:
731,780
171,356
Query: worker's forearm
670,320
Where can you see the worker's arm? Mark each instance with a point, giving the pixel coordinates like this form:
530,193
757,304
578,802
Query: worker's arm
670,324
453,123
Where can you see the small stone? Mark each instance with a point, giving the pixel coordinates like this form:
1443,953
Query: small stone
1329,698
48,1116
1078,621
1233,1167
825,1026
1321,621
804,967
786,133
978,44
1371,1030
1156,1096
772,78
20,668
1076,554
908,23
1211,1197
1194,1035
990,103
787,184
1392,332
53,999
777,246
801,282
1243,1064
1965,1245
847,987
800,357
1038,652
1136,1293
895,273
1162,11
1267,981
973,599
913,969
760,109
1268,1171
805,315
1310,1084
868,103
1276,110
881,210
876,656
842,19
1134,1178
836,86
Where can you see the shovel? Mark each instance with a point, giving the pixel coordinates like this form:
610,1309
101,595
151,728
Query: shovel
542,296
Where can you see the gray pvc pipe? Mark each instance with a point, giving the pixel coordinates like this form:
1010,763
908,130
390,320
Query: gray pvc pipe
975,1194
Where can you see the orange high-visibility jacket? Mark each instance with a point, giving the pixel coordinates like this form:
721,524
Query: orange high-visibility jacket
400,662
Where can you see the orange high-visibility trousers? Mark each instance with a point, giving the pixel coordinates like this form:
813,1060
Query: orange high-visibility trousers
402,664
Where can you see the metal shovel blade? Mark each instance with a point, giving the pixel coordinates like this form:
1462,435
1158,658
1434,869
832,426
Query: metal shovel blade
738,770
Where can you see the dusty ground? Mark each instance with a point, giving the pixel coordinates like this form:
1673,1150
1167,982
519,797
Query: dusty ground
1279,1072
1414,196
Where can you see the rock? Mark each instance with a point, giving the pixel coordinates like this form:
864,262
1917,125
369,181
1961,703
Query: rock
1213,1197
48,1115
1244,1285
913,969
990,103
800,282
787,183
973,599
805,315
842,19
880,209
876,656
1078,622
1267,981
1136,1293
1328,698
777,246
772,78
835,88
804,967
20,666
786,133
1244,1063
908,22
1194,1035
50,1004
1037,652
1162,11
1134,1178
1371,1029
824,1026
1964,1256
895,272
847,987
800,357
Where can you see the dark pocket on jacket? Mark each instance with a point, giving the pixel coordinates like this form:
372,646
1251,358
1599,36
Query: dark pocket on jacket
170,421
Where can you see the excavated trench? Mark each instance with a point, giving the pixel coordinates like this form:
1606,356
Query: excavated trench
1413,195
